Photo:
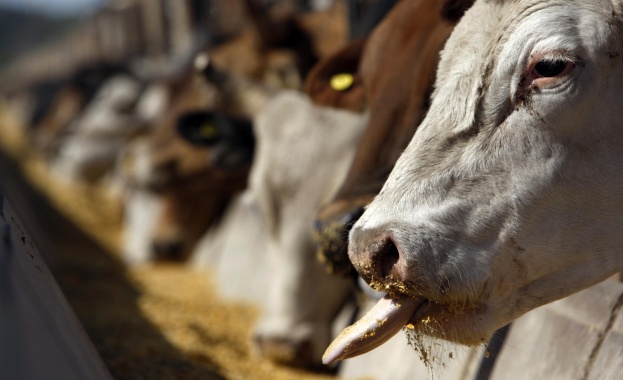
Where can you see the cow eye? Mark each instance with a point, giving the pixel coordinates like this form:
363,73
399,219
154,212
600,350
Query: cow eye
550,69
208,131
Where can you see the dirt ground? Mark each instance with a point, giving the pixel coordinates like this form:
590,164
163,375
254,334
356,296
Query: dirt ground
158,322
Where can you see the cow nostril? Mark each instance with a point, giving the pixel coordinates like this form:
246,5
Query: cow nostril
388,257
318,226
168,251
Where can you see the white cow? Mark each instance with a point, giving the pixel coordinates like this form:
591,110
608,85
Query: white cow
508,197
303,154
119,112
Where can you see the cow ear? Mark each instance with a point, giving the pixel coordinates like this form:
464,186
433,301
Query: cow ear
334,81
453,10
199,128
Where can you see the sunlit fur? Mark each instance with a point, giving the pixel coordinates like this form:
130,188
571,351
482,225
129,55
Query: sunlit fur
302,156
507,197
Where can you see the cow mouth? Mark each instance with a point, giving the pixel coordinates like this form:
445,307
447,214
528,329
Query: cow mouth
380,324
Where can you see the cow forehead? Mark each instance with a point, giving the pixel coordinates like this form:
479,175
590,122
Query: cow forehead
466,92
495,37
490,26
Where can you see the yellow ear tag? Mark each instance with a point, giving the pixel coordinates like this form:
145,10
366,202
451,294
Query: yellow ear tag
208,131
342,82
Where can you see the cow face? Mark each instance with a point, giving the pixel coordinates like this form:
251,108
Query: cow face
87,149
302,155
508,195
191,166
301,158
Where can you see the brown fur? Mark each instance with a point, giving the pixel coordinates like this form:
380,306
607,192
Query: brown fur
194,192
318,85
397,71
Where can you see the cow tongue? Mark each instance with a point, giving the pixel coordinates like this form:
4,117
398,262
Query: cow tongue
381,323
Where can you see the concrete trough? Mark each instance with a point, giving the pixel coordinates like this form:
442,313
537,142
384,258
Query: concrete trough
40,336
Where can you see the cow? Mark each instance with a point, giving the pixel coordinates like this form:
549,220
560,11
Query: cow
188,169
396,84
123,108
507,196
67,98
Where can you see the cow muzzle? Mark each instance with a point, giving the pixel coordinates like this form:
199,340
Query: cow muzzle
380,262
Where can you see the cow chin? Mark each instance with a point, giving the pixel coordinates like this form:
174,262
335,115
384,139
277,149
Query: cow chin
468,325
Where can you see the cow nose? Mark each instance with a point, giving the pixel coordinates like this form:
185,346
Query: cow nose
168,250
331,235
378,259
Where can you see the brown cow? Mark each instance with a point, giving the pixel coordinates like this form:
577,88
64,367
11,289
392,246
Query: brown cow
397,71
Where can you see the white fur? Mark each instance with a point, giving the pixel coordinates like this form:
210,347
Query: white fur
142,210
302,157
108,123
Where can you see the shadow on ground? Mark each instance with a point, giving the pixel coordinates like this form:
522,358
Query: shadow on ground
99,290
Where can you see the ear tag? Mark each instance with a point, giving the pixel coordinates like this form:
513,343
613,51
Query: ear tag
208,131
342,82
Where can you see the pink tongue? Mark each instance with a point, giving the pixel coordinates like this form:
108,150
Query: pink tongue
382,322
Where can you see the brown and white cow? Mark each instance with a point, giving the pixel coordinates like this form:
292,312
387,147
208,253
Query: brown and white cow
64,102
176,189
507,196
396,75
123,108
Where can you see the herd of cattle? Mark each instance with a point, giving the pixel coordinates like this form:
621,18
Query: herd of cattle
259,156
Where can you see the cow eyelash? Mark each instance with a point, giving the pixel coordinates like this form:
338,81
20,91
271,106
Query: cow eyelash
546,70
551,64
552,68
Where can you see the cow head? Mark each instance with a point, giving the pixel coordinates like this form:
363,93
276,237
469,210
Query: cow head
395,76
191,166
507,197
68,101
